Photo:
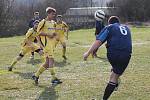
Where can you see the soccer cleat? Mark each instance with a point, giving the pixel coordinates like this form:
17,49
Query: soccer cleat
65,58
10,68
35,79
56,81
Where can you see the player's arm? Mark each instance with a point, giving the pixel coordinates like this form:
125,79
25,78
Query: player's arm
40,33
40,27
39,41
46,34
28,34
100,39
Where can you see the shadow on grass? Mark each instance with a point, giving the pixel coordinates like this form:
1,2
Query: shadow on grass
62,63
49,93
27,75
34,62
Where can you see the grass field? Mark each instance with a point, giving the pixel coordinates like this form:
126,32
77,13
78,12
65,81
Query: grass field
81,80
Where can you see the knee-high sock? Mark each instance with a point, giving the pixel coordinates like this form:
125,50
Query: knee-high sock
109,90
40,71
14,62
52,71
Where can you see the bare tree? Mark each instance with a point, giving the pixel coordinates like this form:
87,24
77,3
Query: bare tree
132,10
15,14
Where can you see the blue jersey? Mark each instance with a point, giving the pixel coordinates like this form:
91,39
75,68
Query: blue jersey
99,27
118,38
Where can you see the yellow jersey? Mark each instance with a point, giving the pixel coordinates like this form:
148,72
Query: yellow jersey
61,28
47,27
30,36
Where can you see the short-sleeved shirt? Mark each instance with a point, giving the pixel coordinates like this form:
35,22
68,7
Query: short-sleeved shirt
118,38
47,27
61,28
30,36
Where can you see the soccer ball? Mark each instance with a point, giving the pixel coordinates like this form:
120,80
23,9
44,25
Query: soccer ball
99,15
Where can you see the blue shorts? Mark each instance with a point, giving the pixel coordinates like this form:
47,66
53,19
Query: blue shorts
119,61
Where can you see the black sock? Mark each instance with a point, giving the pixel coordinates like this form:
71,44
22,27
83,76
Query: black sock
32,53
117,84
109,89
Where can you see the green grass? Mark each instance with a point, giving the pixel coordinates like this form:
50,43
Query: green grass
81,80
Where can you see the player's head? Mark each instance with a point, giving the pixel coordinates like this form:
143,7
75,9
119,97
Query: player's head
51,13
59,18
36,15
113,19
35,23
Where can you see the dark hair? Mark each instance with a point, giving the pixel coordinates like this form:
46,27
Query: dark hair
113,19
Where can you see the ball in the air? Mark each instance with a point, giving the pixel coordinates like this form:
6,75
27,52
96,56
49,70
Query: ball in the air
99,15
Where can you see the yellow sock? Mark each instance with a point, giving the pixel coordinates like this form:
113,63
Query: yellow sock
14,62
52,71
40,71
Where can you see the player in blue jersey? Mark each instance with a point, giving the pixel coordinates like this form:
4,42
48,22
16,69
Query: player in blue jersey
99,25
119,49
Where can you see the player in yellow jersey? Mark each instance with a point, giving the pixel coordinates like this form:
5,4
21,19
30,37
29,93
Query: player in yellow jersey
47,38
28,45
61,29
36,17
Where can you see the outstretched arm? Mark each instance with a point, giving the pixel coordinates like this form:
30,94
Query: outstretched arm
100,39
94,46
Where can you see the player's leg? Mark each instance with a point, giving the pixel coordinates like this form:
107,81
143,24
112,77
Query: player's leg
111,85
32,53
54,80
119,63
48,64
19,57
41,69
64,50
63,44
36,48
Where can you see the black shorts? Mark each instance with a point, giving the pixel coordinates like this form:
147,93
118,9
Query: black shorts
119,62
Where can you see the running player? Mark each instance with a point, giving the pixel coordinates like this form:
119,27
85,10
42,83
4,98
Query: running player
61,29
28,45
48,38
36,17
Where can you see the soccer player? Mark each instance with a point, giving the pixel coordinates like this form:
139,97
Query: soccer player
48,38
36,17
28,45
99,27
119,49
61,29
